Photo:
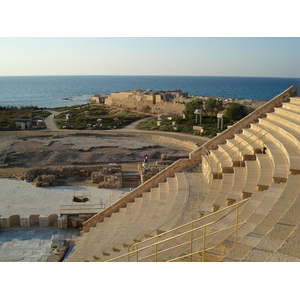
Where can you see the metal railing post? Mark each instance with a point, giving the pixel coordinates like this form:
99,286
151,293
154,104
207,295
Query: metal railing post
236,224
191,244
156,250
204,244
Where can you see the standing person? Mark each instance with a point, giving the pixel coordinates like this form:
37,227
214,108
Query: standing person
146,159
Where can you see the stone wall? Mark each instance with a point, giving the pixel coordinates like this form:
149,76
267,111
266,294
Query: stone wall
107,176
159,102
148,171
188,145
97,99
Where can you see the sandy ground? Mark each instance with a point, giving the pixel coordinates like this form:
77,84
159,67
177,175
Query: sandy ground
31,149
31,152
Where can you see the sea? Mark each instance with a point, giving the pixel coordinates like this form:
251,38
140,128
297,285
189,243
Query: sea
60,91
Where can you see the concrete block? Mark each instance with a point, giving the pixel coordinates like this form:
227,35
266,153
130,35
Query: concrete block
62,222
4,223
25,222
43,221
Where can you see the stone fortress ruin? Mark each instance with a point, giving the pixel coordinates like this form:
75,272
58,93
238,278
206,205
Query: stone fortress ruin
167,102
156,102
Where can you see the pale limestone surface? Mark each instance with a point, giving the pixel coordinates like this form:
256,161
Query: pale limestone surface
22,198
29,244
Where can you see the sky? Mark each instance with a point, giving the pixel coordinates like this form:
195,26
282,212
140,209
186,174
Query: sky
188,56
194,38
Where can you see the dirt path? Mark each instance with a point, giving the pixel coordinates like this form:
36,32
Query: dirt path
51,127
127,146
49,121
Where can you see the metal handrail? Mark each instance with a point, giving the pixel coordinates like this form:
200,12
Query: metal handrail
194,221
157,228
233,207
207,249
111,198
189,242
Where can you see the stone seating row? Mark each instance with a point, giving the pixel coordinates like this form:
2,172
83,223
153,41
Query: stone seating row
264,160
273,224
269,225
280,148
256,175
269,179
258,206
110,237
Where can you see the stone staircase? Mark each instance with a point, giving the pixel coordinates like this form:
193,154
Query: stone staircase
146,213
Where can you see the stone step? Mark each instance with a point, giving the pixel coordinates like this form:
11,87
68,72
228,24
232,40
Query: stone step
291,106
265,219
291,115
285,122
278,157
252,170
295,100
266,171
238,184
290,150
227,183
165,197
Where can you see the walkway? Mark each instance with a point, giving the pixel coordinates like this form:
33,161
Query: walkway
51,127
49,121
29,244
21,198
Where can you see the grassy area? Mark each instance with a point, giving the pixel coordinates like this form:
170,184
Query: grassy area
87,117
8,113
63,108
184,125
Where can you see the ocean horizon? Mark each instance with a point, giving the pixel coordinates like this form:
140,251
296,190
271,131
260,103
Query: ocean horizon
66,90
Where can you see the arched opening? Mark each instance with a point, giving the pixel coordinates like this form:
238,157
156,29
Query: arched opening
14,220
34,220
53,219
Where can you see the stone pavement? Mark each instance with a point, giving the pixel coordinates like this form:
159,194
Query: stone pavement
33,244
23,199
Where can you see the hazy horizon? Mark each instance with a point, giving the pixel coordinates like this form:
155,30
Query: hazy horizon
150,56
149,76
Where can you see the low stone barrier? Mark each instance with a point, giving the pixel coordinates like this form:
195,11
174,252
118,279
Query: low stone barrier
107,176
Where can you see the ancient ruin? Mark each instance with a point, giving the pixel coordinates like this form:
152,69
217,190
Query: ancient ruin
156,102
106,176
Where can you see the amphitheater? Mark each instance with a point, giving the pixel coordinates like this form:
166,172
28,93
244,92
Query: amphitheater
235,199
